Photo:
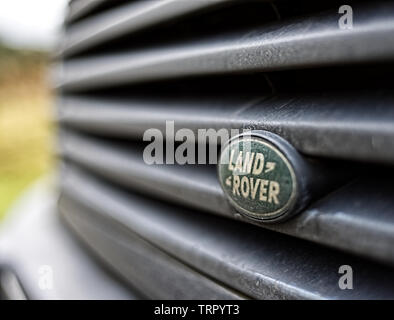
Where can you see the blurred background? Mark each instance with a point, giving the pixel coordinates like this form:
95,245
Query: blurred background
28,34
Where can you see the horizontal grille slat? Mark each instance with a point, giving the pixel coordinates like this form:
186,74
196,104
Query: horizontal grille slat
283,67
256,262
128,19
79,8
356,218
309,42
144,266
196,190
352,126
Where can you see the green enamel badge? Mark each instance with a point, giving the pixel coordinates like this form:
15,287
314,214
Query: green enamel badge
257,178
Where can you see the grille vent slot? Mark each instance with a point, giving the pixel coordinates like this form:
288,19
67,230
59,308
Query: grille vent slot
128,66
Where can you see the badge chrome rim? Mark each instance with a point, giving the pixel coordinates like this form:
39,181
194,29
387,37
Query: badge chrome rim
273,216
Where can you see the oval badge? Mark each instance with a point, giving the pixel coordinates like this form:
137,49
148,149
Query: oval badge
257,177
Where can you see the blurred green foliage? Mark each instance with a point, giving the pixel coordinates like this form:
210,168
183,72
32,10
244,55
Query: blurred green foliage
25,121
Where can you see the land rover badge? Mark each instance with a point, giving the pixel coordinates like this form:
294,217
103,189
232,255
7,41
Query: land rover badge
257,175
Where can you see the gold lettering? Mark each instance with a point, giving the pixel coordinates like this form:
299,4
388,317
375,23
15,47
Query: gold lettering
263,190
253,188
274,189
258,164
236,185
245,186
238,164
248,162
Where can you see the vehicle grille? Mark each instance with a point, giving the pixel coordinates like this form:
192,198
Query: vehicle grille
281,66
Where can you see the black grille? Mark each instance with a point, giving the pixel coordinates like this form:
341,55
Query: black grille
278,66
